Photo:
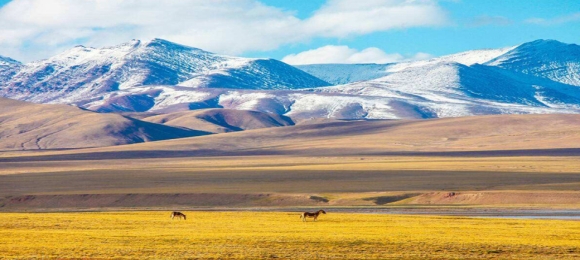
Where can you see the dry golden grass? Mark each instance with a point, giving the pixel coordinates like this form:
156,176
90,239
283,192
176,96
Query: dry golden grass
152,235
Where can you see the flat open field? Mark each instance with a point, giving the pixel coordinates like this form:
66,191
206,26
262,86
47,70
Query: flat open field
153,235
488,167
288,181
509,160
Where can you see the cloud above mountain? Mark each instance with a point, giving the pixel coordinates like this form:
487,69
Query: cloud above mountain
343,18
30,29
345,54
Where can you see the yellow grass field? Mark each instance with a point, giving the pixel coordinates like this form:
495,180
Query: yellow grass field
153,235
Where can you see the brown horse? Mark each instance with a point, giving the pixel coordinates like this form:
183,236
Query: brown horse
314,215
178,215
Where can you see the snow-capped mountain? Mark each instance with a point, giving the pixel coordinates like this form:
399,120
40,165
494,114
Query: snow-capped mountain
5,61
160,76
8,68
338,74
83,72
453,89
445,89
544,58
348,73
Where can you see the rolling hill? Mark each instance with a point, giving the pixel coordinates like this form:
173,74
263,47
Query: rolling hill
221,120
28,126
519,159
496,135
484,133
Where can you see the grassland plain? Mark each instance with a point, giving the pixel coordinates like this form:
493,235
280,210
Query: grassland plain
153,235
288,175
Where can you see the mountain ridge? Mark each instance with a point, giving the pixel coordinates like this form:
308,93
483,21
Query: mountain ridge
550,59
163,77
359,72
84,72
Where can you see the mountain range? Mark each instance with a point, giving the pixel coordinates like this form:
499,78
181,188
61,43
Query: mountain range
82,73
159,76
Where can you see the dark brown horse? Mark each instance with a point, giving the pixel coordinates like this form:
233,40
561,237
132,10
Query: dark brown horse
314,215
178,214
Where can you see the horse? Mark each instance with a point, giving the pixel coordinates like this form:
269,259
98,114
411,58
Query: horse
178,215
314,215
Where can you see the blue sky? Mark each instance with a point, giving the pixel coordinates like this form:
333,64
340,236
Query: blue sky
316,31
476,24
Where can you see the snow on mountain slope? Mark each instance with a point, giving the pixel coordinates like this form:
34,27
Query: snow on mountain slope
294,103
425,89
8,67
338,74
453,89
544,58
254,74
5,61
466,58
434,90
83,72
163,77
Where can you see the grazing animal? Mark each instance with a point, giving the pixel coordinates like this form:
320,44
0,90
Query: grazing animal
314,215
177,214
450,194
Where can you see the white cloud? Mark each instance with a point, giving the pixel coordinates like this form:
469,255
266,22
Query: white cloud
30,29
341,18
575,17
344,54
234,26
